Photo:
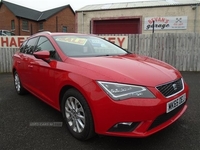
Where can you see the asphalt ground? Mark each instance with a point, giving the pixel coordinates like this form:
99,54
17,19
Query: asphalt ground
19,130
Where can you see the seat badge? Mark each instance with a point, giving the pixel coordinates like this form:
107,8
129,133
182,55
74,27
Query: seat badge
175,87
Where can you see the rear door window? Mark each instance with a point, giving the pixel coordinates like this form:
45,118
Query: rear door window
22,48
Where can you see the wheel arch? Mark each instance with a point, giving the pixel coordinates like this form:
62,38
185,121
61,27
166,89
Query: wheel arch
13,71
70,86
62,92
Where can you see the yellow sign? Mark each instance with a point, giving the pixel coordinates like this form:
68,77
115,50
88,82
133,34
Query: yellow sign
72,40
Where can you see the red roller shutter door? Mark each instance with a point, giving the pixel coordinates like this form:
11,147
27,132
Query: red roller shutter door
117,26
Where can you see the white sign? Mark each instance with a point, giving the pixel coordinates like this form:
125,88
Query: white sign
12,41
165,23
16,41
121,41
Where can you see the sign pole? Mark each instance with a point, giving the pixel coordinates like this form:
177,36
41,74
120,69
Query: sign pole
153,26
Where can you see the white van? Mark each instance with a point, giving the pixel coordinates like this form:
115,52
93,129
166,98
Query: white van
6,33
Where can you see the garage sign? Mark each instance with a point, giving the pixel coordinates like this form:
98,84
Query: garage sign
166,23
121,41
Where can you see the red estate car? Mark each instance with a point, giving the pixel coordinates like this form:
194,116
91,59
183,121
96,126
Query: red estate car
99,87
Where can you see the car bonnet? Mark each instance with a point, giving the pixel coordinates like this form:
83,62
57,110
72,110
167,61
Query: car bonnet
131,69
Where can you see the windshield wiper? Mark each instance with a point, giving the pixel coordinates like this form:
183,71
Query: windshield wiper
103,55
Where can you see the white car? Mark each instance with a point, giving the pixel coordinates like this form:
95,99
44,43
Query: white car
6,33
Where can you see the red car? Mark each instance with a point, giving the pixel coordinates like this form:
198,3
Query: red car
99,87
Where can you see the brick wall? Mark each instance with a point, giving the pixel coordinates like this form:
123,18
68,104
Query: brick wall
66,17
6,17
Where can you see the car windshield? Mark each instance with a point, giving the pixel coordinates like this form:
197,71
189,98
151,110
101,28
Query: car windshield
87,46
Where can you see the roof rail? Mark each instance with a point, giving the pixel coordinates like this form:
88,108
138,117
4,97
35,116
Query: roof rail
48,32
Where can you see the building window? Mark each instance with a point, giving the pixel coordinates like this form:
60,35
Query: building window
25,25
12,24
64,29
41,26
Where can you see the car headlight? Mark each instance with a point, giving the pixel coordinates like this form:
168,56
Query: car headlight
119,91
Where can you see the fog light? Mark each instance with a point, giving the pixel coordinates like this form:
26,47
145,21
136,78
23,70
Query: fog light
124,127
123,123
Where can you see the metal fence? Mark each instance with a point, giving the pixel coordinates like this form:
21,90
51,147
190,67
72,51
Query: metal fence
181,50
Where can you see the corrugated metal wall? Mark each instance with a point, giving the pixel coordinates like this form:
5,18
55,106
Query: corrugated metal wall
181,50
6,59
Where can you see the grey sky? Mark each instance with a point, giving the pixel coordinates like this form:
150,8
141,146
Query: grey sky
75,4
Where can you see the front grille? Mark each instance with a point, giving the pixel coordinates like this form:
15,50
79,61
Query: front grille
172,88
164,117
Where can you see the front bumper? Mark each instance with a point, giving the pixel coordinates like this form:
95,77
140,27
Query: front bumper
149,127
132,117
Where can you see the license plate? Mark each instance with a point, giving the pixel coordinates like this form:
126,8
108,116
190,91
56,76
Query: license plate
175,103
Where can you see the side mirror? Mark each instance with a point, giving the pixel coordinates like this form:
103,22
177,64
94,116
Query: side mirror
44,55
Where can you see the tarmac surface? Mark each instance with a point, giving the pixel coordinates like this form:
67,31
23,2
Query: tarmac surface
19,130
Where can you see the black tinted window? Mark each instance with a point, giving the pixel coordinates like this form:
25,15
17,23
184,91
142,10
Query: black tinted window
22,48
30,46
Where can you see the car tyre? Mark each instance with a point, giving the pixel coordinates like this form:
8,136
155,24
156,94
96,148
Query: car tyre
18,86
77,115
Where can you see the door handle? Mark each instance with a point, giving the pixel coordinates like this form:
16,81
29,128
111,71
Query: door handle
19,62
30,66
32,63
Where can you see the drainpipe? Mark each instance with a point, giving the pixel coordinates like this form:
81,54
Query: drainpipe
31,29
195,18
82,22
56,23
19,32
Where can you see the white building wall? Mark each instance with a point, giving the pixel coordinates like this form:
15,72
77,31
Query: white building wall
193,17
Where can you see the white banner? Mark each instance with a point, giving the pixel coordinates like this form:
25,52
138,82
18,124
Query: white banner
165,23
12,41
121,41
16,41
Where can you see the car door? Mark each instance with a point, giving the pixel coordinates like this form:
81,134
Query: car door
25,68
43,72
20,62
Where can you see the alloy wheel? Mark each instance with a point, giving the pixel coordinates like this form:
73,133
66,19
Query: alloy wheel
17,83
75,114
